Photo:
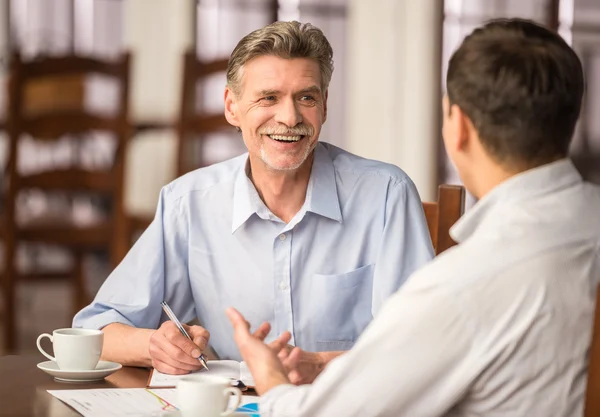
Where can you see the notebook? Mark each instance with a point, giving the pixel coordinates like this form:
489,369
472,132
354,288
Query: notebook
227,368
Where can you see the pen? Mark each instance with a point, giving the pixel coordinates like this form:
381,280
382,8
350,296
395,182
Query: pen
175,320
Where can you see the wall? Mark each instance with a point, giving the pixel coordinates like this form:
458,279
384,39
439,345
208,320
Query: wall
393,83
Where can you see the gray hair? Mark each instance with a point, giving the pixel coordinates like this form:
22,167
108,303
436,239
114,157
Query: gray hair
285,40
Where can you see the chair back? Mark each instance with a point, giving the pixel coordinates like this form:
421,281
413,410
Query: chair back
592,394
441,215
194,123
45,102
50,123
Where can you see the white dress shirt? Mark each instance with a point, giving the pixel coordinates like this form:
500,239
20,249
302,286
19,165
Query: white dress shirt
499,325
214,244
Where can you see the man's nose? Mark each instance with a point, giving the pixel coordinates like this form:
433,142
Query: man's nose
288,113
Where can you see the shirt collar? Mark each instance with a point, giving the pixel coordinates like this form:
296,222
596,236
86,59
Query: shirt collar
246,200
321,193
535,182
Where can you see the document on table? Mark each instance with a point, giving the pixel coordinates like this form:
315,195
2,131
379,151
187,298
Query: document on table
129,402
227,368
109,402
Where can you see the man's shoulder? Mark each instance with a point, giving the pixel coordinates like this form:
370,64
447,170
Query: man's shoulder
206,178
348,164
476,259
513,244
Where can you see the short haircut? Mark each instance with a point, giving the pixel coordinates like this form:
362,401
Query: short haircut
521,85
285,40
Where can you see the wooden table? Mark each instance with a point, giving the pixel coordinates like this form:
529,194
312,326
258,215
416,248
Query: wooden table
23,387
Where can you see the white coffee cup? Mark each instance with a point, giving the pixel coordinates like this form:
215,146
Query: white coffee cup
74,349
206,396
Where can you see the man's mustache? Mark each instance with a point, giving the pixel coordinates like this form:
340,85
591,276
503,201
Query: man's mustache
298,130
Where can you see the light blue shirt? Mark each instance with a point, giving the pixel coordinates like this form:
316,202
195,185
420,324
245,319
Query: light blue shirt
213,244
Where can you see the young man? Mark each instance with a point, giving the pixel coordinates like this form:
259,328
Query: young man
501,324
296,232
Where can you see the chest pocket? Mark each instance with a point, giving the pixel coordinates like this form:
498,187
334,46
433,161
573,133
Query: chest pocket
342,307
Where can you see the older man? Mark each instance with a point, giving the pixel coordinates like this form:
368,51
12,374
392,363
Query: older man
295,232
499,325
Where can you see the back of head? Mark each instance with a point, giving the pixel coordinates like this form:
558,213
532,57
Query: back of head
285,40
521,85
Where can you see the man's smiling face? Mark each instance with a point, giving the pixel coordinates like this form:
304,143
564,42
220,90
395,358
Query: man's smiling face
280,110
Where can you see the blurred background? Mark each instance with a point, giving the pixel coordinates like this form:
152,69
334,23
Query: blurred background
162,110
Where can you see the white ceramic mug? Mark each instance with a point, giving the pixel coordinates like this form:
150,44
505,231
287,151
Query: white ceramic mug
74,349
206,396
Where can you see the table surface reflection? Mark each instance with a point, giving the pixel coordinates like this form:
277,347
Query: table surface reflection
23,387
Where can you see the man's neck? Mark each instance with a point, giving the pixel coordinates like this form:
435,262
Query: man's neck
283,192
490,174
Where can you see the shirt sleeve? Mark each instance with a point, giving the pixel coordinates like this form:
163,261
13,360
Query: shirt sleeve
155,269
406,243
415,359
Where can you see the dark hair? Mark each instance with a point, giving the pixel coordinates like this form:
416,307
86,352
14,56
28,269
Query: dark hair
521,85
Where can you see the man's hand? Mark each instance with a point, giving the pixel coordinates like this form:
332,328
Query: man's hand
301,366
173,353
266,368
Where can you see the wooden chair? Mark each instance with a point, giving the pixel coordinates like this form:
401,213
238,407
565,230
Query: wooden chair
592,394
442,214
49,125
191,123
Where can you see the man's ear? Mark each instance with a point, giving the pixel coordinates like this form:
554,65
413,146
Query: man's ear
461,126
468,131
231,108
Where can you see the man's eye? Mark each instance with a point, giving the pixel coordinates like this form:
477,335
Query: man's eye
307,97
269,98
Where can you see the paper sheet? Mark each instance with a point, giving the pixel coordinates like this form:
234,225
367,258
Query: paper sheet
115,402
226,368
131,402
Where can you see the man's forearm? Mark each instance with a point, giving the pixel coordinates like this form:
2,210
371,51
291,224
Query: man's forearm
127,345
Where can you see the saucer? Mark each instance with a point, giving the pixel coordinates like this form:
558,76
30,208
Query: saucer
103,369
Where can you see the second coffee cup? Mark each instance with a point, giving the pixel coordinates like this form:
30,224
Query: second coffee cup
207,396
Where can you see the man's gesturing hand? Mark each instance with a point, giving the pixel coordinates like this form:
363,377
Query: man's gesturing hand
261,359
173,353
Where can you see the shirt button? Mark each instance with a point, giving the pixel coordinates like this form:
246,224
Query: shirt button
283,286
282,237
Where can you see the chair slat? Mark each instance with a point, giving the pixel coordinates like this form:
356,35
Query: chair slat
65,65
75,179
211,67
206,124
441,215
50,126
592,396
451,205
90,237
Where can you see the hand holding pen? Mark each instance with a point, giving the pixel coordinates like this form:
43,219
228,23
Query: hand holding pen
175,320
176,351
